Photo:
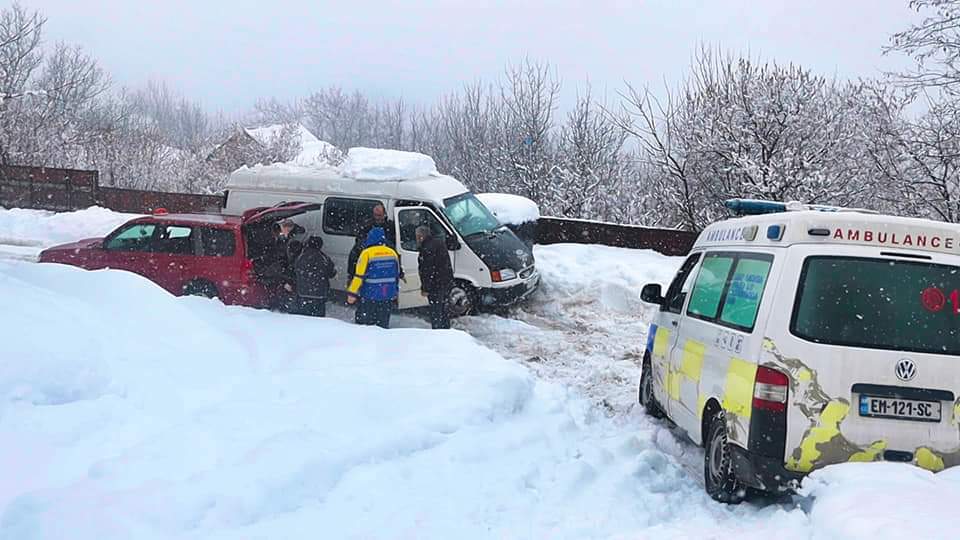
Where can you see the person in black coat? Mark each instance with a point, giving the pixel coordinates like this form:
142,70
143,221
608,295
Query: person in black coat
313,270
436,275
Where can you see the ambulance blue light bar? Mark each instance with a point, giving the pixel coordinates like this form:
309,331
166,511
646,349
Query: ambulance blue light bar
752,207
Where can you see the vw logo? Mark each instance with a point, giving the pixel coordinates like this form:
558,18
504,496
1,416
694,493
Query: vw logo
906,370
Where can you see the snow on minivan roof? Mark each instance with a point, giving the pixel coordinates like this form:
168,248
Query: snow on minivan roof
365,171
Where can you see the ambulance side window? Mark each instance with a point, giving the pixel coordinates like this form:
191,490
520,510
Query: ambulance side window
680,286
729,288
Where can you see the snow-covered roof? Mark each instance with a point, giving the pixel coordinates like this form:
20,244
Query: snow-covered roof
324,178
510,209
267,134
377,164
833,227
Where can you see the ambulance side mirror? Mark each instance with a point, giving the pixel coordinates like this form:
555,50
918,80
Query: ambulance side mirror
652,294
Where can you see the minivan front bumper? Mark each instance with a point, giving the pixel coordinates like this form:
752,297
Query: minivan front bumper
509,296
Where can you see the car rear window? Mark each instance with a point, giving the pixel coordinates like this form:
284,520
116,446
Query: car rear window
218,242
879,304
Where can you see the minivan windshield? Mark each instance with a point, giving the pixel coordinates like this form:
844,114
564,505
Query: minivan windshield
468,215
879,304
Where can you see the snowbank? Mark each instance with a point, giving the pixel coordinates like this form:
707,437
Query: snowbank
155,416
377,164
24,233
510,209
883,500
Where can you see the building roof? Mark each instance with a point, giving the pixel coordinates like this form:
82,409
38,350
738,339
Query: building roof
265,135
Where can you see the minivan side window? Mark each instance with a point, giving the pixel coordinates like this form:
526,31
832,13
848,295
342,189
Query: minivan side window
344,216
136,237
708,289
413,218
680,286
742,301
729,289
175,239
217,242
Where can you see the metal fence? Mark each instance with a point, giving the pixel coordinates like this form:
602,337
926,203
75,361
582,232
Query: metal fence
551,230
144,202
47,188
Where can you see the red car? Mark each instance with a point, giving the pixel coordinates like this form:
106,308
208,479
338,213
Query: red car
201,254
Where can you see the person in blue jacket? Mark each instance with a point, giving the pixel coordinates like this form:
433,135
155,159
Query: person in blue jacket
375,281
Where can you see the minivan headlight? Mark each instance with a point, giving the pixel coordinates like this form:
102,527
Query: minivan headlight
505,274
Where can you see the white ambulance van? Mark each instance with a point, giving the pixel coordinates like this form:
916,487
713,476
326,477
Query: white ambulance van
796,337
492,267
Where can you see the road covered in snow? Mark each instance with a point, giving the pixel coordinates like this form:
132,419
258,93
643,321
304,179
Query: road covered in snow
128,413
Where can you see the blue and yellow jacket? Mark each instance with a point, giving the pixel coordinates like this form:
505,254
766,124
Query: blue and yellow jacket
378,270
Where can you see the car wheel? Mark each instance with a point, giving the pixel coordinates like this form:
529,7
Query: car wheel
201,288
646,397
462,299
720,480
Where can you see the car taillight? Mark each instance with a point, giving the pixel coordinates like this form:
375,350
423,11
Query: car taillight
247,271
770,390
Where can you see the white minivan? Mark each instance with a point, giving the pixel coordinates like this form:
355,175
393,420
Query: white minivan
492,266
797,337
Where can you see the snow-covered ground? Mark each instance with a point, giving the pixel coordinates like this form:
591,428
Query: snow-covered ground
128,413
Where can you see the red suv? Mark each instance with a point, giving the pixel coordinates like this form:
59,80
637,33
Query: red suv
203,254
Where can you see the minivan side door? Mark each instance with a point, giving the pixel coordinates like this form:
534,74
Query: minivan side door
668,328
407,220
342,216
717,328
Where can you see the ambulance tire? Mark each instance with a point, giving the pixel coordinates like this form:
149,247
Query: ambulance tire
645,393
719,477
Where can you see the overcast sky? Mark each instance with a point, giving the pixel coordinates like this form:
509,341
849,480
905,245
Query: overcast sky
227,54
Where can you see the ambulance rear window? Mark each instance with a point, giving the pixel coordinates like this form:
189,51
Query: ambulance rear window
879,304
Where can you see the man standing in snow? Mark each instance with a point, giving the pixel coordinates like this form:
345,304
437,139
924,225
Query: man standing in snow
313,269
375,281
379,219
436,275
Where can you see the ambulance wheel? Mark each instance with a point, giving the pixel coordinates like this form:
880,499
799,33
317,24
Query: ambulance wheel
199,287
462,299
720,480
647,399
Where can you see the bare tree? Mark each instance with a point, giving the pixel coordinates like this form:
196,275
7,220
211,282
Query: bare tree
935,45
595,174
737,128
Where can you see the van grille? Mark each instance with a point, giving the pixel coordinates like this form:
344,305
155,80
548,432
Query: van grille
527,272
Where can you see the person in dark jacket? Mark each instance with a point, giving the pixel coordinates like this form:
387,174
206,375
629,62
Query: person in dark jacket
378,218
436,275
375,282
274,267
313,270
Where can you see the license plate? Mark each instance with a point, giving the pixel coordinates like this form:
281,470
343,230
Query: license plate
902,409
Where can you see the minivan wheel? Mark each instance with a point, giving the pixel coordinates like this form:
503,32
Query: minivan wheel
200,288
720,480
462,299
647,399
